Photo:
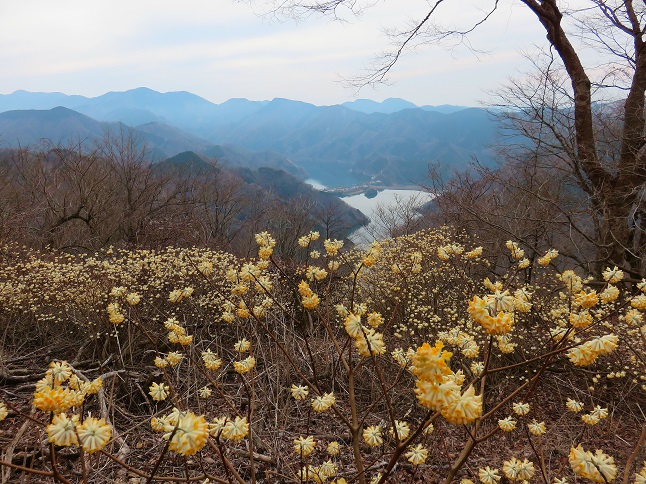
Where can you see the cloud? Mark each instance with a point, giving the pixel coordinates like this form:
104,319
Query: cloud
218,48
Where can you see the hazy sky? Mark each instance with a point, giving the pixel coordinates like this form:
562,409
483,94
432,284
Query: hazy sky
221,49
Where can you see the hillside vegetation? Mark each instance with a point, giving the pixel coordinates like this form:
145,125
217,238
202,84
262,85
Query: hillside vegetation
418,359
389,143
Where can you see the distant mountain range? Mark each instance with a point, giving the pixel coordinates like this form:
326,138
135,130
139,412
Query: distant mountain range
388,143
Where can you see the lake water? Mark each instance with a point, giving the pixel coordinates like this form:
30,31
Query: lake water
368,206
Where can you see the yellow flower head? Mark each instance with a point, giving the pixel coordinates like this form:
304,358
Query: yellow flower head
299,392
372,436
372,343
190,436
429,363
402,430
94,434
517,470
574,405
236,429
304,445
211,360
507,424
417,455
159,391
242,345
324,402
245,365
333,448
597,467
613,275
521,408
488,475
62,430
536,428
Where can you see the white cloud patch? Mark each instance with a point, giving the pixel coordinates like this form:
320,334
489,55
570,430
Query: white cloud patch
221,49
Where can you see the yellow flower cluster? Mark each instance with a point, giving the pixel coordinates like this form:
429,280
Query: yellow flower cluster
320,474
93,434
299,392
177,333
481,311
597,467
52,396
402,430
305,240
211,360
417,455
310,300
266,243
439,389
114,313
514,248
323,402
177,295
549,256
372,254
368,341
640,477
314,273
304,446
446,251
332,247
244,366
187,432
372,436
517,470
589,351
158,391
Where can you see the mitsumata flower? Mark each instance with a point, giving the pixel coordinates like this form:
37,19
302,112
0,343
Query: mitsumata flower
521,408
236,429
597,467
372,436
323,402
488,475
304,445
159,391
333,448
402,430
573,405
517,470
299,392
245,365
242,345
536,428
211,360
190,434
507,424
205,392
94,434
62,430
417,455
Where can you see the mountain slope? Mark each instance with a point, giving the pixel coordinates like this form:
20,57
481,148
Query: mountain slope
58,125
334,144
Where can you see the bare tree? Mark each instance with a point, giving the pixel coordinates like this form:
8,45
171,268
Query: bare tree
613,27
400,217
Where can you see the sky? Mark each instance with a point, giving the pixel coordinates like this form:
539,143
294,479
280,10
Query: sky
222,49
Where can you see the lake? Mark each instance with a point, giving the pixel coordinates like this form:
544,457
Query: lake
368,206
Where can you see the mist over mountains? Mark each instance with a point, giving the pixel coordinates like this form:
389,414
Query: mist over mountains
389,143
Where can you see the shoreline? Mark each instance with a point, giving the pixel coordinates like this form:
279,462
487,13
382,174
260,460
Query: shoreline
359,189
